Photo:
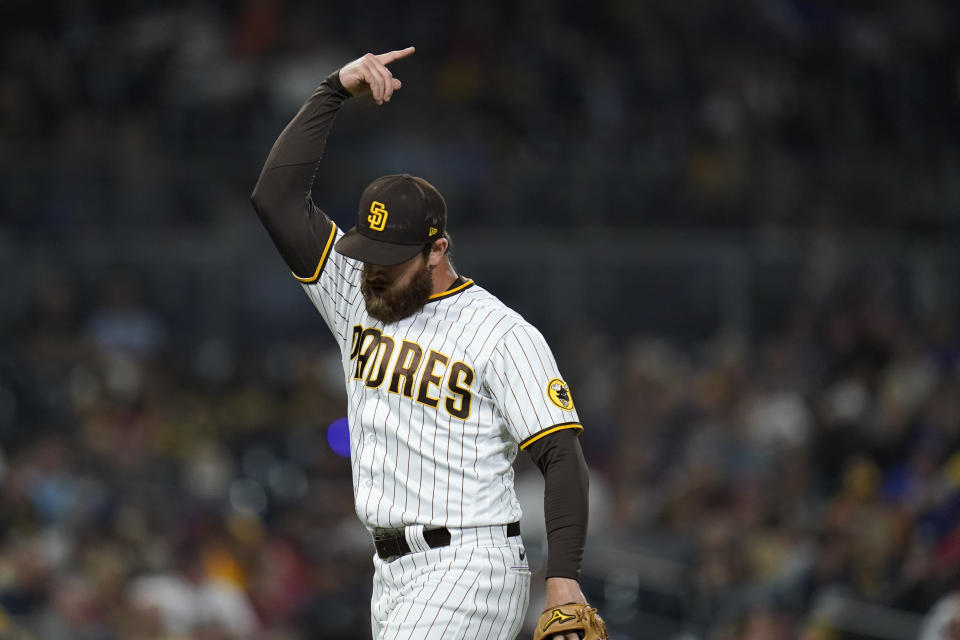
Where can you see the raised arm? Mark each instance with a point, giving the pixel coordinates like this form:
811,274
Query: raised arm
282,195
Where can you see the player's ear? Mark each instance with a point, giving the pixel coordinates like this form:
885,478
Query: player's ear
437,250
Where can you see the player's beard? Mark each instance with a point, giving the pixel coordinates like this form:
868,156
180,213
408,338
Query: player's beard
395,303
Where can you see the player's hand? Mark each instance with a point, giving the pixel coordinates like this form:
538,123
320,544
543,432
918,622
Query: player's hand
369,73
561,591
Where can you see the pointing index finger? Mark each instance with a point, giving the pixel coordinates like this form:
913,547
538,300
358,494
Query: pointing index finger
393,56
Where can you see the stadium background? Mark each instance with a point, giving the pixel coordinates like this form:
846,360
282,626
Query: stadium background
736,222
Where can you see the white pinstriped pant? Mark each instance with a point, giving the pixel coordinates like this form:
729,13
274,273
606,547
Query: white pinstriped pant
476,588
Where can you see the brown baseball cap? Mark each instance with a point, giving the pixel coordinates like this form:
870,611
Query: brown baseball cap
397,216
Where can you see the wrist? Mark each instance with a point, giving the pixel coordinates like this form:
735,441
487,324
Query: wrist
333,82
561,591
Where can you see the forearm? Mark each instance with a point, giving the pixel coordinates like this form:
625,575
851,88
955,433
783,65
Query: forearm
565,503
303,139
281,196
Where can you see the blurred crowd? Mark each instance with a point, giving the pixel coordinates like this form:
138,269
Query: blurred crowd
723,114
159,487
819,460
161,490
160,479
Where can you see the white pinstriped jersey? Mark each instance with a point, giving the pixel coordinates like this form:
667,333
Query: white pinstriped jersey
439,402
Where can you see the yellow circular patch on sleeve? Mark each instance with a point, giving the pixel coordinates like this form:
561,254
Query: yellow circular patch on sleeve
559,394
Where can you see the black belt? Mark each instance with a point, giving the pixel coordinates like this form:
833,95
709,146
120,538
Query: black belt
396,545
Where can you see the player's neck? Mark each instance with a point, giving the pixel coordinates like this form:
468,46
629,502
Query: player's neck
443,277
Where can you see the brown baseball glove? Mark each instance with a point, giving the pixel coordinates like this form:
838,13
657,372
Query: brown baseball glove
581,619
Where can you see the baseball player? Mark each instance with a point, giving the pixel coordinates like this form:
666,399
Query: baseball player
445,385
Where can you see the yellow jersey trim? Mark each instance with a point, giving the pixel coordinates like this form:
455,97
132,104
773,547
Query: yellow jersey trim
559,427
323,258
450,292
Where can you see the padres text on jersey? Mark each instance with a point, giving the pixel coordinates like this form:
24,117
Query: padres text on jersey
439,402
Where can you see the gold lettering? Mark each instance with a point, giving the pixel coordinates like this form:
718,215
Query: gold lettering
355,341
382,361
363,358
431,378
459,388
408,361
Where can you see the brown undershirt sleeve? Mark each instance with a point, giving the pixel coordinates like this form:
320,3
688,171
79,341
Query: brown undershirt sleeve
565,503
281,198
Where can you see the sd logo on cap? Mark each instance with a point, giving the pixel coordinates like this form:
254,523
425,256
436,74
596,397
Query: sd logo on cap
397,215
